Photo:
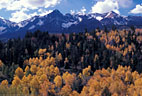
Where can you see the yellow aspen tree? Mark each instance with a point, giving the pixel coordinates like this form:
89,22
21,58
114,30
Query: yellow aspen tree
84,91
19,72
26,91
16,81
66,60
128,77
41,51
33,69
1,64
69,78
58,81
52,61
96,57
64,76
67,45
86,71
26,62
74,93
34,83
40,72
34,86
135,75
56,71
27,69
43,89
66,90
36,61
25,81
51,68
4,83
43,78
29,78
59,57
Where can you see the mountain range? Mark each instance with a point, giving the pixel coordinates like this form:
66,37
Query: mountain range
56,22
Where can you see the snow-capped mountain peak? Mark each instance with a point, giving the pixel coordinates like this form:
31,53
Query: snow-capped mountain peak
111,14
56,13
56,22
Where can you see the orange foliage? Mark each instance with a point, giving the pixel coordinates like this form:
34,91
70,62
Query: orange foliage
19,72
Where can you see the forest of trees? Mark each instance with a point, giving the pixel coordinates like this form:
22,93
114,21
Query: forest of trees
97,63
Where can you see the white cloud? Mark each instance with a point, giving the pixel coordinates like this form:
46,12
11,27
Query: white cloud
4,3
105,6
72,12
19,16
43,12
137,10
22,7
121,3
15,17
83,10
28,4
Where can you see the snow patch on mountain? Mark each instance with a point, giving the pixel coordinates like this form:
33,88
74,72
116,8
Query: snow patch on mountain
111,15
40,23
32,19
99,18
22,24
67,25
2,28
80,19
92,16
32,27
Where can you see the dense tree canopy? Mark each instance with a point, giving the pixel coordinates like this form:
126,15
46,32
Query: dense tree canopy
94,63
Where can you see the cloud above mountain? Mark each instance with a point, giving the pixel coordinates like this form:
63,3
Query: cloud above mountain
21,8
105,6
137,9
27,4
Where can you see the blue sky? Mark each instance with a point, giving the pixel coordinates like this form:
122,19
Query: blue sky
19,10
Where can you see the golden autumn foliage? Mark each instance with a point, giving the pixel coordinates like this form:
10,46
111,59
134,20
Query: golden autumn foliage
59,57
66,90
1,64
33,69
44,78
26,91
34,83
19,72
41,51
4,83
58,81
67,45
118,82
66,60
56,71
115,80
69,78
27,69
86,71
74,93
16,81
